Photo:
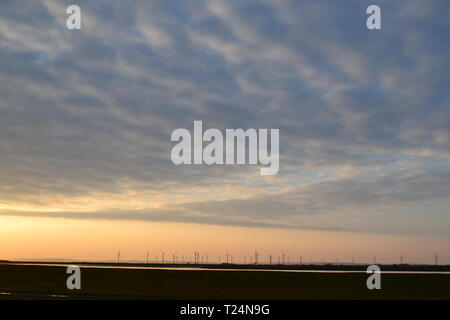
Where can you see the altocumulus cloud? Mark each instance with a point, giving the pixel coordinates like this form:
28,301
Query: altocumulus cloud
364,116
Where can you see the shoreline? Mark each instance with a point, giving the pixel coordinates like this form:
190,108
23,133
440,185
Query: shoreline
406,268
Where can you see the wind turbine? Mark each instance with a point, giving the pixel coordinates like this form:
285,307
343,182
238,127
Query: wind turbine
118,256
195,257
282,252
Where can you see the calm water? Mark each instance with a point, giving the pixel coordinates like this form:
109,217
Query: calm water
222,269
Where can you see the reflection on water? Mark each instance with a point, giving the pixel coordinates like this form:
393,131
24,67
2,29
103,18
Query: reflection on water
35,294
199,268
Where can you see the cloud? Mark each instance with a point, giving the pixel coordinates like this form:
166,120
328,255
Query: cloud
288,209
91,112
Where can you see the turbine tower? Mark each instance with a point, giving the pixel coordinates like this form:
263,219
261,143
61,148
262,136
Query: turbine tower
195,257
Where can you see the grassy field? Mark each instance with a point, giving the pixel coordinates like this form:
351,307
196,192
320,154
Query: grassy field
43,282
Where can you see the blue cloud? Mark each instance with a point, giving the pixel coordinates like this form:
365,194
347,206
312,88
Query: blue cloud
89,111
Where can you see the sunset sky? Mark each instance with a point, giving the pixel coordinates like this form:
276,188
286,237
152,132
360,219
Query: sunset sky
86,118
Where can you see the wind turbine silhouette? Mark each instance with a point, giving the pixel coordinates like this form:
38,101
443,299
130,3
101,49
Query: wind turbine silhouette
256,257
195,257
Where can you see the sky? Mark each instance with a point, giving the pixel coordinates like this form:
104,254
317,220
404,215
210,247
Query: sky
86,118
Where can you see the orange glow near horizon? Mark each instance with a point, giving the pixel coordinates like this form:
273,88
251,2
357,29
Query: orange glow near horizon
99,240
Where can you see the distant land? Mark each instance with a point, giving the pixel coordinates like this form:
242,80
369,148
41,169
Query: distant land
284,267
127,281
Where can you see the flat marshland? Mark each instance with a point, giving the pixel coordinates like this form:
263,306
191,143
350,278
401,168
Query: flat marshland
49,282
